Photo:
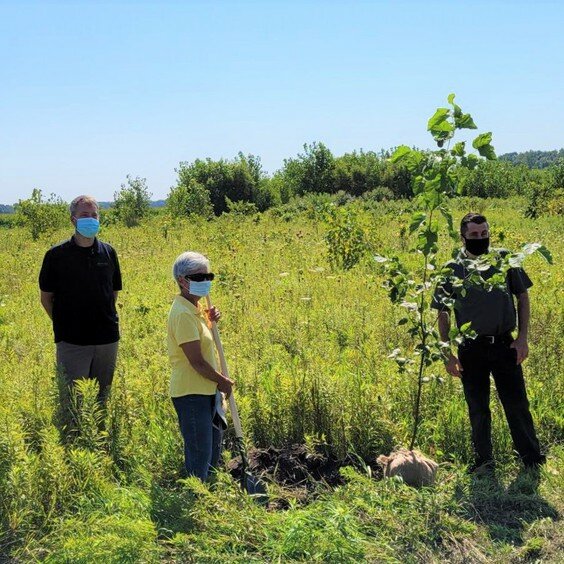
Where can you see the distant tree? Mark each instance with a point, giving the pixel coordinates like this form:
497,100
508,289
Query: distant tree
496,179
189,199
534,159
557,171
358,172
241,207
132,201
41,215
311,171
236,180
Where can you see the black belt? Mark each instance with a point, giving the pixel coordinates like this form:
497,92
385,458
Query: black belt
492,339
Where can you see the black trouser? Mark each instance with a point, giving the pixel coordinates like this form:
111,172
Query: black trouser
479,358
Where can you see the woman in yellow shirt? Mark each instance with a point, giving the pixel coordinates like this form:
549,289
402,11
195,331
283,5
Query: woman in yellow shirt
195,383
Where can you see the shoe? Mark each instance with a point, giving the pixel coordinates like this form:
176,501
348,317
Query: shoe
482,468
535,463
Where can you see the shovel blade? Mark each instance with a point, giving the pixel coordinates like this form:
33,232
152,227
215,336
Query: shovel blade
255,488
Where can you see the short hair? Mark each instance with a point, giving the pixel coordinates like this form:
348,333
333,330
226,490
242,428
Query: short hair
84,199
188,263
471,218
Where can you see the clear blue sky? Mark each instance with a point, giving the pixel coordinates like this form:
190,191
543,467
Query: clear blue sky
93,91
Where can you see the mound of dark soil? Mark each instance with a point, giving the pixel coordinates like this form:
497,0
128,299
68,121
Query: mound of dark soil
293,467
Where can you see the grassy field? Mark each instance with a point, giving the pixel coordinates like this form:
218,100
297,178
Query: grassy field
307,346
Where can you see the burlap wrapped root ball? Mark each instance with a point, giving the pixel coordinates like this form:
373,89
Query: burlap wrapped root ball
415,468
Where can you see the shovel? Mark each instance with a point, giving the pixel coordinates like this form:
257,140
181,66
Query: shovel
249,483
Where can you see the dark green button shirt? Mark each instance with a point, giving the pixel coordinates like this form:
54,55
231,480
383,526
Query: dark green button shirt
489,312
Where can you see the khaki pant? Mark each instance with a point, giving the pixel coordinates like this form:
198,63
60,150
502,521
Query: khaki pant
88,361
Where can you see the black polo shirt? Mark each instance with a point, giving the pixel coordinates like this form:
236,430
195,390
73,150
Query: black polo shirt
83,281
490,312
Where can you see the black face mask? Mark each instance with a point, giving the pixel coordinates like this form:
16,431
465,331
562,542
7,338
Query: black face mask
477,247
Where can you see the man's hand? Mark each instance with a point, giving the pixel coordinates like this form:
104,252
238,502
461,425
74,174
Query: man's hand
213,314
522,348
225,385
453,366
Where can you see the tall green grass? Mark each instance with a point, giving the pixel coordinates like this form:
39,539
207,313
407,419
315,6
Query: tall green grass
307,347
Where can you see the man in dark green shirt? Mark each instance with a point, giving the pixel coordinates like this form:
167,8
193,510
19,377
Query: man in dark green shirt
491,314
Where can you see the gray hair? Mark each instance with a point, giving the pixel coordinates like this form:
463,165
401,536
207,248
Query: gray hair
188,263
84,199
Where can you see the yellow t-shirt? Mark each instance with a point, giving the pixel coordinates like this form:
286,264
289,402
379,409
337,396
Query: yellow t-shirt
187,323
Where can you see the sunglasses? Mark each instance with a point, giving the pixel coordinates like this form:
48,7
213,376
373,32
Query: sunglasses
200,276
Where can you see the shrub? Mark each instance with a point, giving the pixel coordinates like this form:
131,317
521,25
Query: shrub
346,238
189,199
358,172
241,208
40,215
311,171
557,173
496,179
379,194
236,180
132,201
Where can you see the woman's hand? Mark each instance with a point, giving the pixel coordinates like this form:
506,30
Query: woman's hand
213,314
225,385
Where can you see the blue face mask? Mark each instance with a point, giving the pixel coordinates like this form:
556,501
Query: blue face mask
200,288
87,226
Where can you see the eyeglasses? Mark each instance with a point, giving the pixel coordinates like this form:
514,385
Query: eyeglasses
200,276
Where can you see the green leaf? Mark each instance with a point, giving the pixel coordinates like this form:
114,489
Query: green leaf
482,140
465,327
488,152
439,121
545,254
471,161
427,241
400,153
531,248
451,98
410,158
482,144
448,216
459,149
464,121
417,219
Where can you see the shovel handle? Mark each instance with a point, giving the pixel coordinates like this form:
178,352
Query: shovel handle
232,405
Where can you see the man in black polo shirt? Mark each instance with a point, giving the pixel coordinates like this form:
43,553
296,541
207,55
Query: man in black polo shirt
492,315
79,283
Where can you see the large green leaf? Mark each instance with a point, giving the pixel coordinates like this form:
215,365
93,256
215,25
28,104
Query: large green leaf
471,161
531,248
438,122
400,153
459,149
427,240
417,219
410,158
482,140
448,216
488,152
464,121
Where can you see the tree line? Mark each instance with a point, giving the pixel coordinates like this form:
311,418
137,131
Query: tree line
207,187
534,159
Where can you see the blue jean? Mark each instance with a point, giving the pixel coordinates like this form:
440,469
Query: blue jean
202,431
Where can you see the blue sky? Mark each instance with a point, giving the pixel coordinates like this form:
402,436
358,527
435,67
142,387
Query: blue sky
93,91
